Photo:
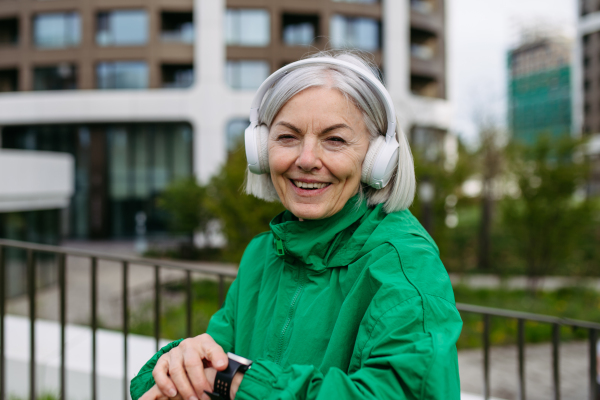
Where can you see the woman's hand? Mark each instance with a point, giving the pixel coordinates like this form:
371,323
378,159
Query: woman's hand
188,370
155,394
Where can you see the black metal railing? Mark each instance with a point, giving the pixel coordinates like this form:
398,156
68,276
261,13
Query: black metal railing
31,249
221,274
555,323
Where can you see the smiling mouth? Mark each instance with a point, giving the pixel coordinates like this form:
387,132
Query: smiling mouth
311,185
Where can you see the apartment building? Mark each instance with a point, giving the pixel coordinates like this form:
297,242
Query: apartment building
539,88
586,85
142,93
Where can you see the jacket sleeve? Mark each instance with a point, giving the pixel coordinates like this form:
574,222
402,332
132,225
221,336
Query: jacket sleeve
143,381
220,328
410,354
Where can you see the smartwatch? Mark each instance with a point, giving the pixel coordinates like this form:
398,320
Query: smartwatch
224,378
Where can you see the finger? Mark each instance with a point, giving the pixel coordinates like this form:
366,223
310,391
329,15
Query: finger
153,394
179,375
192,361
160,373
213,352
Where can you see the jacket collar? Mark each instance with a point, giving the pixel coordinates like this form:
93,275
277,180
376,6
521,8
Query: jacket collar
318,244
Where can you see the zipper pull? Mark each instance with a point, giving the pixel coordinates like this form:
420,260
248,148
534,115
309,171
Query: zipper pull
279,246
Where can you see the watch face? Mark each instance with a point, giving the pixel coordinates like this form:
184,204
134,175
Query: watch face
239,359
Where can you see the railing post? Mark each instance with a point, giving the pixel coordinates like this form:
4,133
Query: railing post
62,283
157,305
188,314
31,283
556,360
125,328
2,327
221,290
593,338
486,356
94,298
521,356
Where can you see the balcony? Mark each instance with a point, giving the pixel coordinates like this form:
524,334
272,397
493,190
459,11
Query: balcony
177,27
424,86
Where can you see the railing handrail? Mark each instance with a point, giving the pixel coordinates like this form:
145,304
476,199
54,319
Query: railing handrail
224,269
499,312
230,270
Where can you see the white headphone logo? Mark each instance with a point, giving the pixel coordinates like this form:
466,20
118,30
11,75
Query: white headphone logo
382,158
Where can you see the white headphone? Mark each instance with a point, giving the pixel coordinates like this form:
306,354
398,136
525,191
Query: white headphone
382,158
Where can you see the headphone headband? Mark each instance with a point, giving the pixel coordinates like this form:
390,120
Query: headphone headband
371,80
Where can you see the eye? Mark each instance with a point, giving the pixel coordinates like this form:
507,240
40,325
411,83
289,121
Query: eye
336,140
285,137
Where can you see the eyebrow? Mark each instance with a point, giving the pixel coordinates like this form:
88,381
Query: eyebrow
324,131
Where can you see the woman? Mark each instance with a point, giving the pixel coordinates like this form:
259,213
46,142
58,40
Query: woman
346,296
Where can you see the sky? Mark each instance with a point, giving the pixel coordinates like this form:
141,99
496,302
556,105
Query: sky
480,32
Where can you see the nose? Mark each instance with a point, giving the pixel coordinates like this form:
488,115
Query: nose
310,155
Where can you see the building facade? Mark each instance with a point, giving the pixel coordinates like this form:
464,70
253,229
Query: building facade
145,92
539,88
586,85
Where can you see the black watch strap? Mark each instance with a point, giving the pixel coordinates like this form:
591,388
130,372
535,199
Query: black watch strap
224,378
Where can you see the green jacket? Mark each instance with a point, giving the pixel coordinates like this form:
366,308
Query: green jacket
357,305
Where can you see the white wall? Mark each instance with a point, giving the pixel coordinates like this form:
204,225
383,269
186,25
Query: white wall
35,180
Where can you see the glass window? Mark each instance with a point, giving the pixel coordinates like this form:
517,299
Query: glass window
246,74
122,28
177,76
9,79
177,27
247,27
299,29
360,33
357,1
235,133
56,30
122,75
56,77
9,31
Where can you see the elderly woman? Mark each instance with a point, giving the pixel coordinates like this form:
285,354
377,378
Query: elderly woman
346,296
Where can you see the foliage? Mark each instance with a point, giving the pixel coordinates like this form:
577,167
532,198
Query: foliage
547,221
242,216
185,200
455,242
574,303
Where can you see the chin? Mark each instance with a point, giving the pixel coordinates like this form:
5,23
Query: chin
308,211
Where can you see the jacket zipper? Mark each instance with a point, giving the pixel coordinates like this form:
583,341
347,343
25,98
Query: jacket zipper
293,305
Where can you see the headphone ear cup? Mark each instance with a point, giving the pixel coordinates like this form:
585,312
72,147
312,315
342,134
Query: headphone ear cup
367,167
262,137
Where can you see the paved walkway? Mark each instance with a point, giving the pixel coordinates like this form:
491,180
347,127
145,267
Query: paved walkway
538,371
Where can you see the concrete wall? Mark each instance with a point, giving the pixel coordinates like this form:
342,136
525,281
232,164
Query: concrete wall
35,180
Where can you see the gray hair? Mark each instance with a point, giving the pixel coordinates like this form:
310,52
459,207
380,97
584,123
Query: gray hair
400,191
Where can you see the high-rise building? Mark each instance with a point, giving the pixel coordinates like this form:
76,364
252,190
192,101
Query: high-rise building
539,88
142,93
586,85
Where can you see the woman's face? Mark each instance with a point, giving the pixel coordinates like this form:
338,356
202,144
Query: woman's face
317,144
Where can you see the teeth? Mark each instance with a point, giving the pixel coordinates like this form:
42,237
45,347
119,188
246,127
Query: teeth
305,185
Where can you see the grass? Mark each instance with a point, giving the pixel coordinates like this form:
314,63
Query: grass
572,303
43,396
205,296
